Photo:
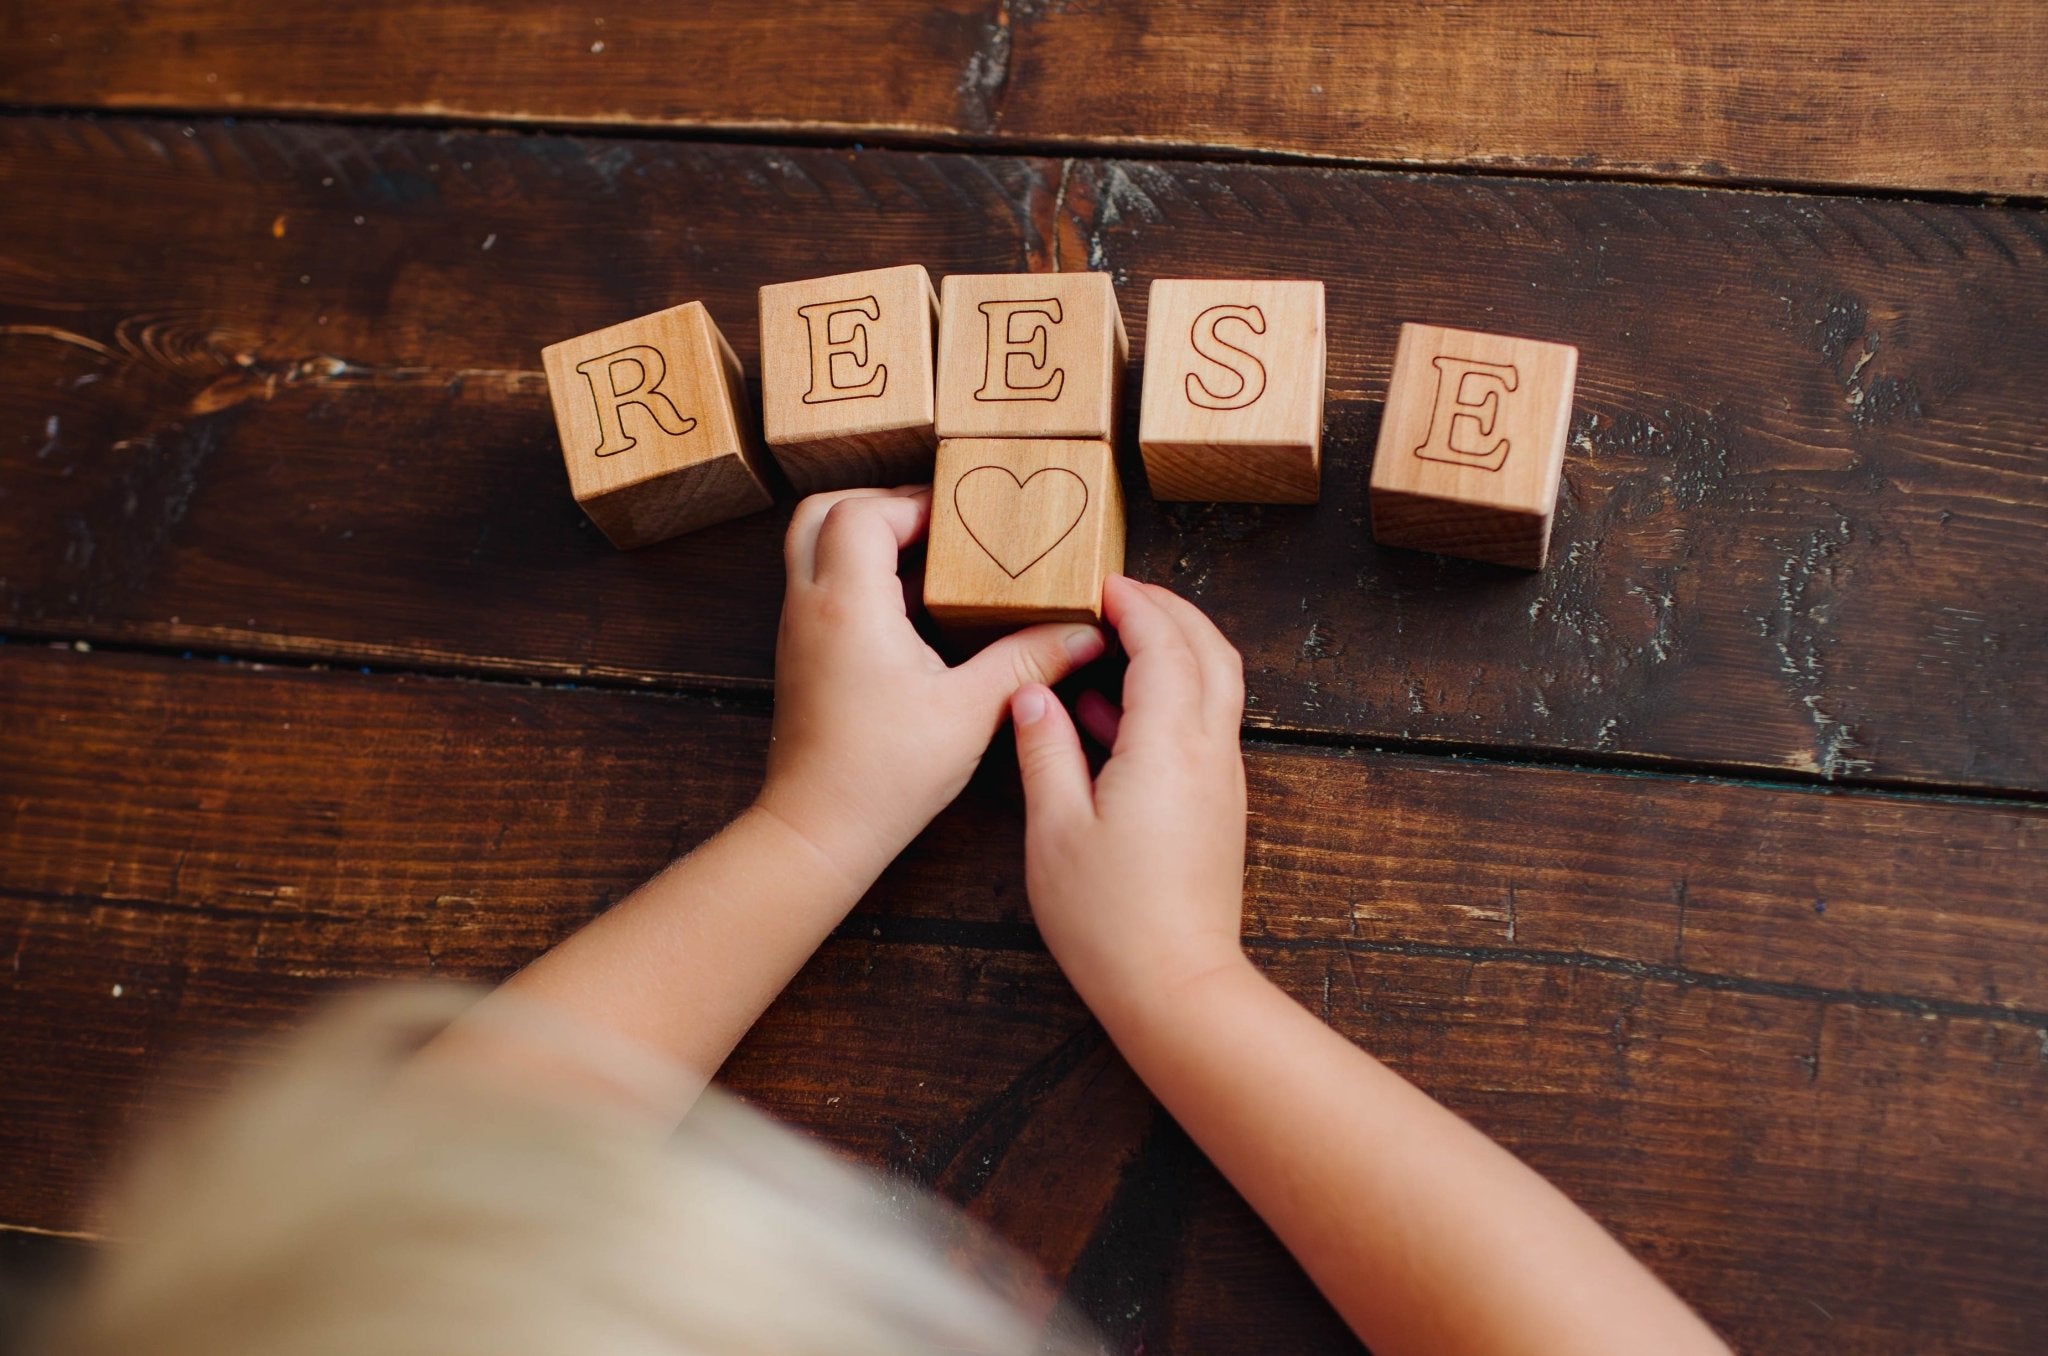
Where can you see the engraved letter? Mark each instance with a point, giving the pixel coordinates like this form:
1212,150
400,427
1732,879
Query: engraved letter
643,389
1006,345
844,353
1468,396
1249,371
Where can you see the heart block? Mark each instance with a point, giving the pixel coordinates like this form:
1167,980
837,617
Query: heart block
1023,530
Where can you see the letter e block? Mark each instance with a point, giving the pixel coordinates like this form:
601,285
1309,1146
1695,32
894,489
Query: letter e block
651,428
846,378
1472,445
1233,406
1023,530
1030,355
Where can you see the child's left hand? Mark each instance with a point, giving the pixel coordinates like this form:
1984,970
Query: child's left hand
873,734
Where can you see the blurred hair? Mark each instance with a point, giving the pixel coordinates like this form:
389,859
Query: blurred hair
358,1199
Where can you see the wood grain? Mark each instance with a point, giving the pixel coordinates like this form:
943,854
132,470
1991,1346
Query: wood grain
1901,901
161,396
273,389
1805,473
1911,94
1905,94
1806,1117
1795,419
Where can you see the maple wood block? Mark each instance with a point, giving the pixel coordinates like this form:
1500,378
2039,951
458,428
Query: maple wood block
1233,394
651,426
846,378
1472,444
1030,355
1023,530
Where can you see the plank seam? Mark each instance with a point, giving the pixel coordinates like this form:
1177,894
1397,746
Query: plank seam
1023,937
758,698
63,1235
772,136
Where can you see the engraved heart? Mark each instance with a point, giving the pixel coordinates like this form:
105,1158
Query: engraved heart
1019,522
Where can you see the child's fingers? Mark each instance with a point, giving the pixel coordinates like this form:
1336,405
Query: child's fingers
1222,666
800,543
1057,789
861,537
1099,716
1163,686
1038,654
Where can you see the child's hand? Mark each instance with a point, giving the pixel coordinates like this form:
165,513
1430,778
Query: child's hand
1137,881
873,734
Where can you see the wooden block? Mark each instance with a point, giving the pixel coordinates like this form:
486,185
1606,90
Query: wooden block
1023,530
1233,396
1472,445
651,426
1030,355
846,378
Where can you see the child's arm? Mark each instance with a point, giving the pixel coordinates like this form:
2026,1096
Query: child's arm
1425,1235
873,735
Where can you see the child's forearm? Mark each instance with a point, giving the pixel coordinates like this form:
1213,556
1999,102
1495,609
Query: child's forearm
684,964
873,736
1425,1235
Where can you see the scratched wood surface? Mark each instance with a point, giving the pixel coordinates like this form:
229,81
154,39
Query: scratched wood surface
1792,1064
1897,93
275,392
1735,929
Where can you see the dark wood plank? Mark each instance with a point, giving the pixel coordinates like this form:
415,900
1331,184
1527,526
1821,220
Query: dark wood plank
904,67
269,392
359,318
1804,489
1912,94
1807,1119
1815,1179
1714,1133
131,778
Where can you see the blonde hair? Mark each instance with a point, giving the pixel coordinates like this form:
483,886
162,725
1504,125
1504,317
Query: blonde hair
356,1199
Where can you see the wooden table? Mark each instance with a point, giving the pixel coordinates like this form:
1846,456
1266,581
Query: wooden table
1704,869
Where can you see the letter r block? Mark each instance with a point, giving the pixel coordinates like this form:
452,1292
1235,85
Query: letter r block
846,378
651,426
1233,406
1030,355
1472,445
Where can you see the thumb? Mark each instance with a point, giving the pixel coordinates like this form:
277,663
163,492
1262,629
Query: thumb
1056,782
1038,654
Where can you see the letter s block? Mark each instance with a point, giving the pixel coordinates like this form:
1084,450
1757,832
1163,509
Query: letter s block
1472,445
1233,400
1030,355
651,426
846,378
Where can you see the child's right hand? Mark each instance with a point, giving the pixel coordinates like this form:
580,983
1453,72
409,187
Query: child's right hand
1137,880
